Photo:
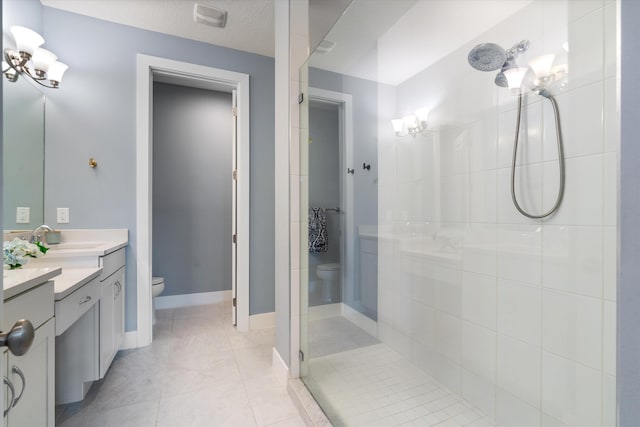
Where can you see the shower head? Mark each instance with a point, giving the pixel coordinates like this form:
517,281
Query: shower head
487,57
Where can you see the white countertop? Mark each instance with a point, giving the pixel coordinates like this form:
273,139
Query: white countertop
21,280
73,262
72,279
84,249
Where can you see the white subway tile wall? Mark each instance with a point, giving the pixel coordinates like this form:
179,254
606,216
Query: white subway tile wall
517,315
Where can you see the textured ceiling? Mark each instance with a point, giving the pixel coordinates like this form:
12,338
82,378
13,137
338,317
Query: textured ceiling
249,23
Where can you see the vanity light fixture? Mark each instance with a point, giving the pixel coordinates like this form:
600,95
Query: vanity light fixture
412,124
29,59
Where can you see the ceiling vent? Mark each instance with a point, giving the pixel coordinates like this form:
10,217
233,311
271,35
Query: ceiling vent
325,46
209,15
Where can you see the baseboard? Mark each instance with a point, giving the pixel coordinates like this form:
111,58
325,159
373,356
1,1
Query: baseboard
130,340
189,300
326,310
279,367
262,321
360,320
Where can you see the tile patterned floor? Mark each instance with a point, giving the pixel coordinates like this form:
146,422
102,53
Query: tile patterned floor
374,386
199,371
334,335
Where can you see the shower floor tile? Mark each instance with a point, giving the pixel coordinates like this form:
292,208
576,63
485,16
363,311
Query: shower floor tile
334,335
375,386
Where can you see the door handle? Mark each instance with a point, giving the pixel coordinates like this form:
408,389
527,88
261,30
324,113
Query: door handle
9,385
18,371
19,338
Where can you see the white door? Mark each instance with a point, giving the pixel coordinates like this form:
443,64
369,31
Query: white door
234,208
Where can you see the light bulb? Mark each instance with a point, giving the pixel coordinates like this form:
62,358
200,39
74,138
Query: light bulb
514,77
42,60
542,65
397,125
422,114
56,70
26,40
410,121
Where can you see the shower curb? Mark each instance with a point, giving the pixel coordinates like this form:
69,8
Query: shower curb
308,408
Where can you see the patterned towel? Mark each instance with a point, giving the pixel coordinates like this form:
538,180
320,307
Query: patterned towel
318,241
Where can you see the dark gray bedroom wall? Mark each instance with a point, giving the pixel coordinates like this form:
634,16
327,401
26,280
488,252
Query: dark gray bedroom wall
192,166
94,115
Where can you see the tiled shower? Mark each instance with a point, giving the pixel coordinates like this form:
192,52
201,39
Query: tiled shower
513,319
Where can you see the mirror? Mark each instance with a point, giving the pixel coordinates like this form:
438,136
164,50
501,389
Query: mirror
23,155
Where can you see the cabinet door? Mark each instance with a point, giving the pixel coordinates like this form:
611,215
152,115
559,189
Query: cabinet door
111,318
118,317
35,405
107,343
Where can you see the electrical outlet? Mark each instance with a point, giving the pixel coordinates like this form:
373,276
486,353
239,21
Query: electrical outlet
23,215
63,215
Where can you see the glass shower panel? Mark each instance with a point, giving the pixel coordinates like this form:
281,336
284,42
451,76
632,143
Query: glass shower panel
458,309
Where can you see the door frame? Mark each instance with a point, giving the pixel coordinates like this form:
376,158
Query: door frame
344,101
150,69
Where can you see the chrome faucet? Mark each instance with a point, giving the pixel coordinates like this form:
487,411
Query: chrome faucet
38,232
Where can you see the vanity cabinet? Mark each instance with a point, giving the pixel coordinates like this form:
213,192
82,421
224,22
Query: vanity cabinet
33,374
111,307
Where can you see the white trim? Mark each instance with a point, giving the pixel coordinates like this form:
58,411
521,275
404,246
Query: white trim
279,367
262,321
191,300
360,320
130,340
324,311
148,68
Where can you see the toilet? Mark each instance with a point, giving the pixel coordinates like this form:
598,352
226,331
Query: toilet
328,274
157,287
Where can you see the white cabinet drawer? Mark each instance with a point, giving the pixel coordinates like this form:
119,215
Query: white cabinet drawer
35,305
111,263
69,309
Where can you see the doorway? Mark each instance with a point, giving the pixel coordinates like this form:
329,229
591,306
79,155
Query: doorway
153,69
193,131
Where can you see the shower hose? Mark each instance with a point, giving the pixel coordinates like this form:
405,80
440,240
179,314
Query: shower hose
544,93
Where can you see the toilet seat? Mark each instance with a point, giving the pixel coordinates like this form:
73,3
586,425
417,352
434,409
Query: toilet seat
157,280
334,266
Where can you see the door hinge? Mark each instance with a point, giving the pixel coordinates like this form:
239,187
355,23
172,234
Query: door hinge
235,174
234,110
301,355
234,238
300,98
233,301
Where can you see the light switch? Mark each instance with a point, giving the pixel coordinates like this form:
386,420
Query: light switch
63,215
23,215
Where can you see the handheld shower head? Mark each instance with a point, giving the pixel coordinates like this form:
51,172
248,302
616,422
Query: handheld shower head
487,57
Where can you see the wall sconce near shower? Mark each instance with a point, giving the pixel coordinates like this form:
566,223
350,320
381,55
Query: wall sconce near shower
412,124
29,59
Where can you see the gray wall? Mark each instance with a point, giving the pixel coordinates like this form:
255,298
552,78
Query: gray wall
93,114
628,375
23,143
324,186
365,150
192,164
